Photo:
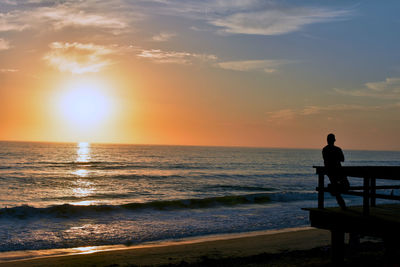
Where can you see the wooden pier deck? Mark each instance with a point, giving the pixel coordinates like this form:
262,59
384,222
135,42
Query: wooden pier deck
370,219
382,220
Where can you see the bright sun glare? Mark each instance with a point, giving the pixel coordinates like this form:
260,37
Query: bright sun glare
84,104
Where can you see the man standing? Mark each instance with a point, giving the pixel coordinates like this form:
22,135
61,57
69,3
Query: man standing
333,156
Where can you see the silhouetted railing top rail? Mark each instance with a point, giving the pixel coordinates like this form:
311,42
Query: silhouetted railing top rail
378,172
368,191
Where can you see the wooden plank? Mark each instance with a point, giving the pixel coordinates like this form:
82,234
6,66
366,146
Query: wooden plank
321,184
371,220
373,192
382,220
380,172
366,196
378,187
337,240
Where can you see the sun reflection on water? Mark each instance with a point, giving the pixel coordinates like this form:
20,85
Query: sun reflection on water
83,187
84,203
83,156
83,152
81,173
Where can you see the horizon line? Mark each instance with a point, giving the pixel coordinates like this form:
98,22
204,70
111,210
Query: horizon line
188,145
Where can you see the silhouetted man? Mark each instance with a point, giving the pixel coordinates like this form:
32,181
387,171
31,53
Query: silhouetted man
333,156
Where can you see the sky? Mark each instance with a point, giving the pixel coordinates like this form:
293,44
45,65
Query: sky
254,73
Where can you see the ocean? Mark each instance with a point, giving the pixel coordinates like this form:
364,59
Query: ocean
63,195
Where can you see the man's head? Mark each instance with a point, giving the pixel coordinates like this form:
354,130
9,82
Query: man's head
331,139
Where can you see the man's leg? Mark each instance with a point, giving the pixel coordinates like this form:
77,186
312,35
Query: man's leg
336,191
340,201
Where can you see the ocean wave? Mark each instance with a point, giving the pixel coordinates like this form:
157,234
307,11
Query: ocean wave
242,188
77,163
202,202
115,165
288,196
5,167
70,211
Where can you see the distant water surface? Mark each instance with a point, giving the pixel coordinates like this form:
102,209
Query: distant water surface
68,195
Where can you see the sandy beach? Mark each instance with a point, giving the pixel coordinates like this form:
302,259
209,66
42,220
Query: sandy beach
192,251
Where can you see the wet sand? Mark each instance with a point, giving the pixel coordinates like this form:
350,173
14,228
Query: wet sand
192,251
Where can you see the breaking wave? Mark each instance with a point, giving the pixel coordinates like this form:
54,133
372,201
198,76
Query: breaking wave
70,211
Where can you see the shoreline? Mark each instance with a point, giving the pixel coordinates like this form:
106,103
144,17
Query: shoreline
17,255
174,251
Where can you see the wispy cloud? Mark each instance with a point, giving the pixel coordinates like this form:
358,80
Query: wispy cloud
8,70
66,16
9,2
163,36
250,16
387,89
291,114
186,58
267,66
42,15
4,44
281,115
77,57
13,21
200,9
275,21
233,17
313,110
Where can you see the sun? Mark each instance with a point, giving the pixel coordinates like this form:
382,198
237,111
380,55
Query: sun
84,104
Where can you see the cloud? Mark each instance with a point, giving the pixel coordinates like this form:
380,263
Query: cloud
77,57
387,89
258,17
13,21
9,2
42,15
275,21
291,114
8,70
186,58
67,16
225,16
267,66
163,36
312,110
282,115
199,9
4,44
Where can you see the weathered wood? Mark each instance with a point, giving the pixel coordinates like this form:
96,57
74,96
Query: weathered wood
366,196
354,240
380,172
376,187
321,184
381,221
373,192
368,220
337,239
360,194
369,174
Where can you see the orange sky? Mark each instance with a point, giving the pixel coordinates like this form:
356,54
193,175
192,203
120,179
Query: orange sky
199,73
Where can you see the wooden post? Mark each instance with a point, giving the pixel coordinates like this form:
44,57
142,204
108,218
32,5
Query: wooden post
337,243
354,240
321,192
373,192
366,196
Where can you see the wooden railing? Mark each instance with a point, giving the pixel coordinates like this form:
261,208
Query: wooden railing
370,174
